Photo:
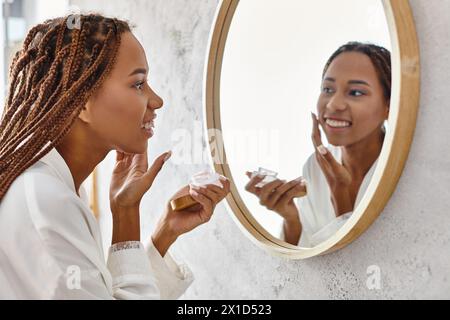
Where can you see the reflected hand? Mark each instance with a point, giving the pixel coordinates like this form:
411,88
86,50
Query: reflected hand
338,177
278,195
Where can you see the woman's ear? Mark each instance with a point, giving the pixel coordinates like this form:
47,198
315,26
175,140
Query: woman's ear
85,114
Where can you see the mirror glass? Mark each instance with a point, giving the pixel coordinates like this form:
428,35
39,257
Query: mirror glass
273,78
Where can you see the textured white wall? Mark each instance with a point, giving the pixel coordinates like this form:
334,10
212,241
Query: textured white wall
410,241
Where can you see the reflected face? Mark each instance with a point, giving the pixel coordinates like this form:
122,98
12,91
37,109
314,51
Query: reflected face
125,102
351,105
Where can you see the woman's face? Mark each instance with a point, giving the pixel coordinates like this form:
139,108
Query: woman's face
351,106
118,111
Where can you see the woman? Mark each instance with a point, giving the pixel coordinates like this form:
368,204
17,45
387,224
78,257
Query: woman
76,94
352,108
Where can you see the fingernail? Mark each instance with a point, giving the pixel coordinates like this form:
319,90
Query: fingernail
167,156
193,192
322,150
194,187
222,178
299,179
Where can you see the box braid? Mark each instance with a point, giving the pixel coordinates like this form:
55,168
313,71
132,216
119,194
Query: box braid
380,57
51,79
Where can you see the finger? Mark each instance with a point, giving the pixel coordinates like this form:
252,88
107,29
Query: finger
295,192
207,192
315,136
322,163
268,189
140,159
225,183
119,155
206,203
273,199
127,157
336,170
156,167
218,191
251,185
329,158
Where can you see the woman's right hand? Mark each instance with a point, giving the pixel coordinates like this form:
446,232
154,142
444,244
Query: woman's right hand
130,180
278,195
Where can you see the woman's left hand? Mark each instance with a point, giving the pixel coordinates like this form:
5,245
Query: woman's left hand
338,177
175,223
188,219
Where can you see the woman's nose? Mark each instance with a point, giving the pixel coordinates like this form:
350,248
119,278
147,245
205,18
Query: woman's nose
155,101
336,103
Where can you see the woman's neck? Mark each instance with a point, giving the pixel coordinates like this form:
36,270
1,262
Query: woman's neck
359,157
81,153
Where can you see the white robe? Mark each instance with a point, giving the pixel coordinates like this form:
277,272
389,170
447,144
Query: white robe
316,210
51,247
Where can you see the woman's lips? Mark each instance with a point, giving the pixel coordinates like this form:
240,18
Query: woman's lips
148,128
148,132
337,126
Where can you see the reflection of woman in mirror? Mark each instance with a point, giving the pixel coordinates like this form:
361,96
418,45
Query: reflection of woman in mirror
352,108
77,93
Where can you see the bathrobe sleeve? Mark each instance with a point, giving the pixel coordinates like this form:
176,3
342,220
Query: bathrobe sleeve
66,244
138,269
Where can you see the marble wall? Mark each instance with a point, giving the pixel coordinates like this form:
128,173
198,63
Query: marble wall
410,242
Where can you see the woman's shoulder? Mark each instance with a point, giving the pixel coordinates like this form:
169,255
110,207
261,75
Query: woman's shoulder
41,182
39,202
38,193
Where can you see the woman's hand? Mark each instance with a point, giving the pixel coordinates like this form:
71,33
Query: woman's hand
175,223
338,177
278,195
130,180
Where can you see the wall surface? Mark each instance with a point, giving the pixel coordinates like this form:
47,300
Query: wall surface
410,241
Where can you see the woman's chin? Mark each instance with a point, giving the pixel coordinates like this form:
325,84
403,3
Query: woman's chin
337,142
136,149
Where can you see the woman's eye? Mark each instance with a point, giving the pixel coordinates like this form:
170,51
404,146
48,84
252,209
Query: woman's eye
327,90
139,85
357,93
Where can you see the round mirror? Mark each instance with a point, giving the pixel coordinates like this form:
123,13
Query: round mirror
302,101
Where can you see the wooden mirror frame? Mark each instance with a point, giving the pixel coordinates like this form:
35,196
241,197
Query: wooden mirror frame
404,100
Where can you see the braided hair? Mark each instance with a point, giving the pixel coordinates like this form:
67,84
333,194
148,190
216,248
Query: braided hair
380,57
51,78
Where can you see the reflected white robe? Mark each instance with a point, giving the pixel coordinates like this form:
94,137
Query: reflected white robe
317,214
49,239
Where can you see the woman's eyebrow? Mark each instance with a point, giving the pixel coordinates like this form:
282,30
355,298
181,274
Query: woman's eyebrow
359,82
350,81
138,71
